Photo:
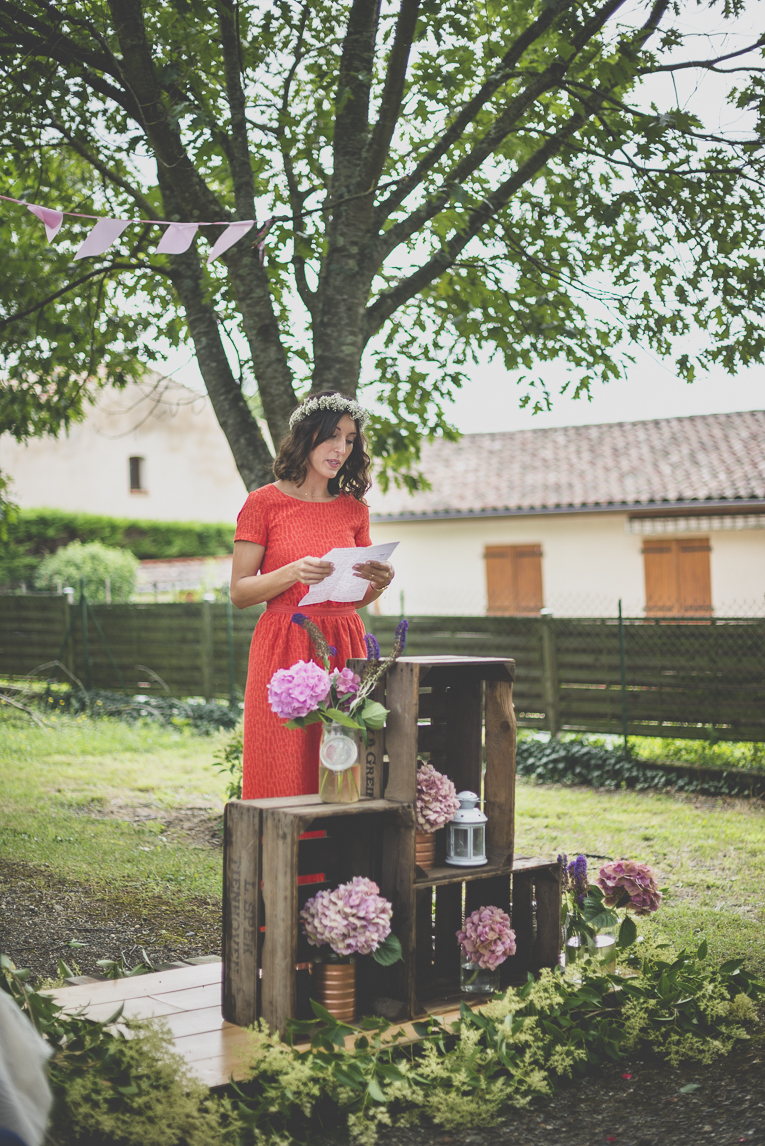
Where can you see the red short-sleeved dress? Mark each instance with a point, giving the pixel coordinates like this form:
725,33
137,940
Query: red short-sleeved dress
278,761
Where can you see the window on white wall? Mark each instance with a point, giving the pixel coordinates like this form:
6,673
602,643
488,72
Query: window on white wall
137,477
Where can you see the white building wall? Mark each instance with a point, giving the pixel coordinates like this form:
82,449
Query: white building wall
589,561
188,470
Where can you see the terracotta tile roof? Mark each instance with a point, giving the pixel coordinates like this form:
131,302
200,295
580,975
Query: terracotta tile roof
709,458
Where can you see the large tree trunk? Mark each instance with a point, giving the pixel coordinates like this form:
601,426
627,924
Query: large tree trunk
251,454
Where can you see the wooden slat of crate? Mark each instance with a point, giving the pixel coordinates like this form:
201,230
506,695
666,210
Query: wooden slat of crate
361,849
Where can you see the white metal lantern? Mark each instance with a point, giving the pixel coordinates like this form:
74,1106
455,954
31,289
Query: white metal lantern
466,837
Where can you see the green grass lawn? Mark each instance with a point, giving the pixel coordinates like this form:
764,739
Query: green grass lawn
58,783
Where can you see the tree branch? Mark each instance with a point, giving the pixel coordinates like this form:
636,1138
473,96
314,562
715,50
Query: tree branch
163,135
297,199
712,64
239,158
550,78
388,302
393,90
78,282
469,111
140,200
353,86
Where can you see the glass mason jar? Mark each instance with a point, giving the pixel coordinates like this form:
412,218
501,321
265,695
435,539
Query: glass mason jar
334,984
339,767
475,980
605,948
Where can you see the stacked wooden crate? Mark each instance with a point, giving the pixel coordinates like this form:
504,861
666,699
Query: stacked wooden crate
279,852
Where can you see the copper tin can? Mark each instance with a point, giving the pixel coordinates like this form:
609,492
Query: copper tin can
334,986
425,850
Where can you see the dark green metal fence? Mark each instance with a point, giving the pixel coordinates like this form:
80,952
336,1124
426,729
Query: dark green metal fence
691,678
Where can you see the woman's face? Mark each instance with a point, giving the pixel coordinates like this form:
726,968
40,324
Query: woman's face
328,458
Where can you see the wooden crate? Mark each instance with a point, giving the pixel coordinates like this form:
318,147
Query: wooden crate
277,854
456,712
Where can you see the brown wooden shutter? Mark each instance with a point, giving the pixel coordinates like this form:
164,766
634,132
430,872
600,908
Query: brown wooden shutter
694,582
660,578
513,579
677,578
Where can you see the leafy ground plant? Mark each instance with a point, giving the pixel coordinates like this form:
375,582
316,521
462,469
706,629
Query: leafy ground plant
522,1044
115,1087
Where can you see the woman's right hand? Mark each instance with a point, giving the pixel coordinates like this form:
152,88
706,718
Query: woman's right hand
311,570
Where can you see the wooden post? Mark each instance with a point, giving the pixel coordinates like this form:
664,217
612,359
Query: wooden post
500,771
280,845
241,911
550,676
206,649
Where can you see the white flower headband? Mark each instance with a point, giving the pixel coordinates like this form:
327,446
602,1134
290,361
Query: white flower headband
330,402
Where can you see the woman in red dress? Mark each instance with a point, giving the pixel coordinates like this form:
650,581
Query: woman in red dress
316,504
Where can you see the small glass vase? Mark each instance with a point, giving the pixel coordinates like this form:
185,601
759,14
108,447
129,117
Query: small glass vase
339,767
334,985
605,948
475,980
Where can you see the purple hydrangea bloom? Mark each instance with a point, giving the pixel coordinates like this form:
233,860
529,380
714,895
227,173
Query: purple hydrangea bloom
436,799
296,691
373,649
488,938
345,681
352,919
636,879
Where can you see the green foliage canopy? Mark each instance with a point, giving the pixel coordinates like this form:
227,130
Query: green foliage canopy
92,563
448,180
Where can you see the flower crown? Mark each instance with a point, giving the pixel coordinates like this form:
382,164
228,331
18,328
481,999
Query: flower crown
330,402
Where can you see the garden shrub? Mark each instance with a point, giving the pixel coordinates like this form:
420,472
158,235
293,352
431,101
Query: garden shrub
115,1091
93,563
203,717
35,533
577,762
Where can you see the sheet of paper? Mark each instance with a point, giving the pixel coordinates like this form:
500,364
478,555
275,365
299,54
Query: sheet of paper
343,584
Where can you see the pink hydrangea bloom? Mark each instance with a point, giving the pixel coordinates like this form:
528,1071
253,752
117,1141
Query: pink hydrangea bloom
436,799
637,879
488,938
352,919
298,690
346,682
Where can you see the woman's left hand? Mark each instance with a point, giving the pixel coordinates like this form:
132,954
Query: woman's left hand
380,573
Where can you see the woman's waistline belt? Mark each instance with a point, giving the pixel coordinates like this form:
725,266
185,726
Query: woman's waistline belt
313,610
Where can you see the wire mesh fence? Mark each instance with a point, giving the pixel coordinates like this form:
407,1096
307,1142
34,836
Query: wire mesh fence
694,677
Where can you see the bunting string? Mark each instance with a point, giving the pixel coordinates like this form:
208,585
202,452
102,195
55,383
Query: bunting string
176,239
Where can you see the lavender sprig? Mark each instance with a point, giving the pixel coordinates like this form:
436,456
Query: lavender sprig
373,649
318,640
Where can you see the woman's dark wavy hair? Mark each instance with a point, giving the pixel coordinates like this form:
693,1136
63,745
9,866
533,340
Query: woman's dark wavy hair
291,463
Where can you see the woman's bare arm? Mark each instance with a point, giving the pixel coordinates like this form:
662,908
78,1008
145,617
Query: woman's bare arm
249,587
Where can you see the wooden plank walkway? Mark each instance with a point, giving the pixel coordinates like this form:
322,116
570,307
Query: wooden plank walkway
189,1000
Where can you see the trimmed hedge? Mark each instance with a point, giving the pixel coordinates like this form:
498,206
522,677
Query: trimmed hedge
577,762
34,533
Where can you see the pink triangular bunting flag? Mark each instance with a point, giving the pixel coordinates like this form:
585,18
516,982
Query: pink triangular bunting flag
105,232
177,238
52,219
232,234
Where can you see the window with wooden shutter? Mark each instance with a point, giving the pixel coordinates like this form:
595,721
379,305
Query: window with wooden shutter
513,579
677,578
